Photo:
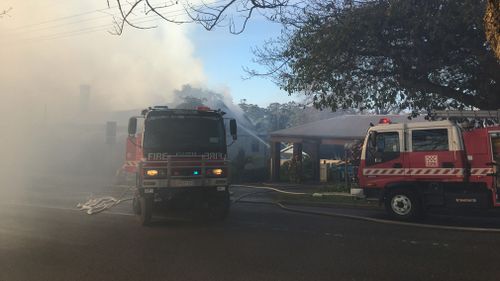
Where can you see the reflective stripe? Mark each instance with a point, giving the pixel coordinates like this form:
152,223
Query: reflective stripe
481,171
435,171
394,171
426,171
131,163
414,171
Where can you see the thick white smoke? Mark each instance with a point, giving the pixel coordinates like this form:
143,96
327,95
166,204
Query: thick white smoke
48,49
140,67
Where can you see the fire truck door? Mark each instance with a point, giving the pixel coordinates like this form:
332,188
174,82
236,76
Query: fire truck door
385,158
434,156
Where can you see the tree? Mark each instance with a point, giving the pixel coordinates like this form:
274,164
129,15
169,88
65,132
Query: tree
189,97
417,54
492,25
238,165
232,13
361,53
285,115
275,116
236,13
256,115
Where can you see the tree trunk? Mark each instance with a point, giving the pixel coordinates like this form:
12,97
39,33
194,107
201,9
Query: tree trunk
492,25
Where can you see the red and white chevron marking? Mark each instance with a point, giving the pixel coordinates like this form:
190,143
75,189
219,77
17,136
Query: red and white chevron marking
481,171
385,172
435,171
131,163
413,172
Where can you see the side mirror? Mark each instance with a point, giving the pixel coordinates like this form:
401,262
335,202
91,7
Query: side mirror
233,129
132,126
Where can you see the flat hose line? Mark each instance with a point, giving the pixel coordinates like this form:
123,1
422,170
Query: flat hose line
354,217
97,205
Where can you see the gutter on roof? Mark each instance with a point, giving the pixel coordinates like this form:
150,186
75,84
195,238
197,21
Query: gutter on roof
315,138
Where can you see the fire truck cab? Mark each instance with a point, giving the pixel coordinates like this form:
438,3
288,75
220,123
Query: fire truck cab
410,167
179,161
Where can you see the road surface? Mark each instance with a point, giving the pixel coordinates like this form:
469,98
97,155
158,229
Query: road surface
43,237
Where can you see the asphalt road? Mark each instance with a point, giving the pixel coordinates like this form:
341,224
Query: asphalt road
42,237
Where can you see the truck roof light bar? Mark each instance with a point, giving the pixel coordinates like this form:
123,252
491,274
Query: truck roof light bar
203,108
385,120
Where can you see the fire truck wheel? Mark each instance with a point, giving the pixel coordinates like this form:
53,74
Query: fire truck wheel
403,204
146,210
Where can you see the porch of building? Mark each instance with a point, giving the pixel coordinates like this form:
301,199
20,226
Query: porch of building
312,137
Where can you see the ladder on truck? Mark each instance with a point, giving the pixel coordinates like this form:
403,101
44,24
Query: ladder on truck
491,115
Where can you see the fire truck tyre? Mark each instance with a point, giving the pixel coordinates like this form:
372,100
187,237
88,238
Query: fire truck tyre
146,210
403,204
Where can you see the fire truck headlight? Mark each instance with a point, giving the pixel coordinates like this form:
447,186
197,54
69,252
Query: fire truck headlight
217,172
152,173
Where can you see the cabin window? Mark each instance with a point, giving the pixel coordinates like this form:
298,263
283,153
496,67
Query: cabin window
430,140
386,148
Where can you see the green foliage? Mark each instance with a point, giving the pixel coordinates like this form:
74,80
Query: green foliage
274,117
189,97
240,172
307,170
238,165
389,54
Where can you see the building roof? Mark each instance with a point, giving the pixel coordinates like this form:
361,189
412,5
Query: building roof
341,127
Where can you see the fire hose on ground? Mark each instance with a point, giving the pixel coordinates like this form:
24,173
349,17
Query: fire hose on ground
98,205
352,217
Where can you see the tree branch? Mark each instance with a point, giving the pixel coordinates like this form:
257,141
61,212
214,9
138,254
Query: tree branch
120,24
209,15
5,12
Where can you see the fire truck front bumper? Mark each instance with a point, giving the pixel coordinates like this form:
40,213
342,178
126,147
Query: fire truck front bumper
183,183
186,194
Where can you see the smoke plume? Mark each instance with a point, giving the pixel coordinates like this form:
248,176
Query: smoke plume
50,49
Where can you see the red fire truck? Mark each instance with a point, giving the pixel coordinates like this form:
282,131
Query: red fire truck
410,167
179,160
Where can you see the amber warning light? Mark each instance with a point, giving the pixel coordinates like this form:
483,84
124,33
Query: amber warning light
384,121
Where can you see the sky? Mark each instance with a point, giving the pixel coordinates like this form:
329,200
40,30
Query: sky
50,47
224,55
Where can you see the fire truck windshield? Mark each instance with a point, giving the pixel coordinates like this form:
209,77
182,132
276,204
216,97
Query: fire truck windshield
178,134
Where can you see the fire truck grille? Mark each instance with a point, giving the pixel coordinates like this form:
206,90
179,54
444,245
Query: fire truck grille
186,172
